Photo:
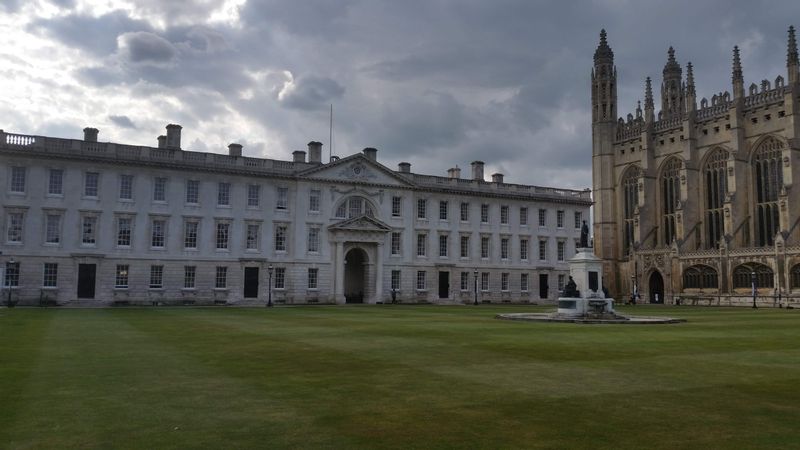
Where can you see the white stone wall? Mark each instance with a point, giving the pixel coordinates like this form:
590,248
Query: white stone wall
33,252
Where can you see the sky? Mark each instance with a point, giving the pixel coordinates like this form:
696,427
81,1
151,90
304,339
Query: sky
437,83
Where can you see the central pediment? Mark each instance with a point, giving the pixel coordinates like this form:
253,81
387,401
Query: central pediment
361,223
356,168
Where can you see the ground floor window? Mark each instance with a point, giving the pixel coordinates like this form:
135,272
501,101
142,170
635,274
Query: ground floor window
121,278
795,276
702,277
12,274
484,281
280,278
395,280
464,281
504,281
189,277
221,279
523,282
50,275
156,277
743,273
421,281
313,275
562,281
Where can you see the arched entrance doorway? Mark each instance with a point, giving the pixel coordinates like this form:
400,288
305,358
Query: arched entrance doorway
656,286
355,275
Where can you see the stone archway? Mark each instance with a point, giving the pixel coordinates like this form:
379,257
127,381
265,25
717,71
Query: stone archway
656,288
355,275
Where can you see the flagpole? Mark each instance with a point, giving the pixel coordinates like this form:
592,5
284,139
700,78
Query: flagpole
330,135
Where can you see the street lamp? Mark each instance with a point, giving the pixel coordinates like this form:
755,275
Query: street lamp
475,273
753,283
269,285
633,289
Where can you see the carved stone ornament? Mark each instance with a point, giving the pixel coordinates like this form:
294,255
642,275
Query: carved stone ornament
786,161
683,179
727,212
357,171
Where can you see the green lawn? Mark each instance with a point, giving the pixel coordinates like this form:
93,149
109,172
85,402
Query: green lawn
396,377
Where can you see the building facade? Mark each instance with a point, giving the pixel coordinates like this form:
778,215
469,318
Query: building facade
695,203
92,223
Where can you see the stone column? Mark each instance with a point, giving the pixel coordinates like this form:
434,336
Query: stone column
379,274
339,271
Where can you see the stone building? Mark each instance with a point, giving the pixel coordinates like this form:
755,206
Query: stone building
696,202
86,222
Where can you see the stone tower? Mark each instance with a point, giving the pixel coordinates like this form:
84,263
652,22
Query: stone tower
695,200
604,124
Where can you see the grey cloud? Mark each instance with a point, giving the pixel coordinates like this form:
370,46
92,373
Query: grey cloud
96,35
312,92
144,47
123,121
10,6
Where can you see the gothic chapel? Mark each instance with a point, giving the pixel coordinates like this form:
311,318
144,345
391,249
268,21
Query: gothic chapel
696,203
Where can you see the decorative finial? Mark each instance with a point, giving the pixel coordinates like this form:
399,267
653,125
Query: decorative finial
737,65
791,51
671,53
672,69
648,94
603,54
689,78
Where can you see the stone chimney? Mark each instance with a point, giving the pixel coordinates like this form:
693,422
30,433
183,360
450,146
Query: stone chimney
162,141
90,134
174,136
371,153
454,172
404,167
497,177
315,152
235,150
477,170
299,156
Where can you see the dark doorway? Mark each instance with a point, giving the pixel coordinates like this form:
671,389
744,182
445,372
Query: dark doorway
86,280
444,284
354,274
656,288
543,286
251,282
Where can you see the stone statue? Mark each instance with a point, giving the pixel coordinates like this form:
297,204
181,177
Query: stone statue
584,235
571,289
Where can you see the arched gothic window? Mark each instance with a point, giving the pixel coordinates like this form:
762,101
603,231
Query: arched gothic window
353,207
742,274
700,277
716,188
670,196
630,199
768,183
794,275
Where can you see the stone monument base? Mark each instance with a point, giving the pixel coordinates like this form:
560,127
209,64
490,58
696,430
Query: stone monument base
578,307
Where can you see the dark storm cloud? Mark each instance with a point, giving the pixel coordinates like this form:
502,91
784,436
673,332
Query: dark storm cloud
144,47
441,82
312,92
123,121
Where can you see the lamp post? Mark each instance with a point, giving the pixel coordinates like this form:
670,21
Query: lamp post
269,285
633,289
475,273
753,283
11,263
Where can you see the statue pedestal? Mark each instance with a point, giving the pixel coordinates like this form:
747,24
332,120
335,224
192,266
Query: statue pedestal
586,271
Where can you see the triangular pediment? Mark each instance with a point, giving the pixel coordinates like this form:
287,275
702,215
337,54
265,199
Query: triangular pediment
356,168
360,223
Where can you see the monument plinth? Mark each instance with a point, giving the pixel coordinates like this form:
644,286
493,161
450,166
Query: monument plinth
585,296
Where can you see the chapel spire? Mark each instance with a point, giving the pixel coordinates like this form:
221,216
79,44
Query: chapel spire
792,62
672,96
649,104
604,83
737,78
691,95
